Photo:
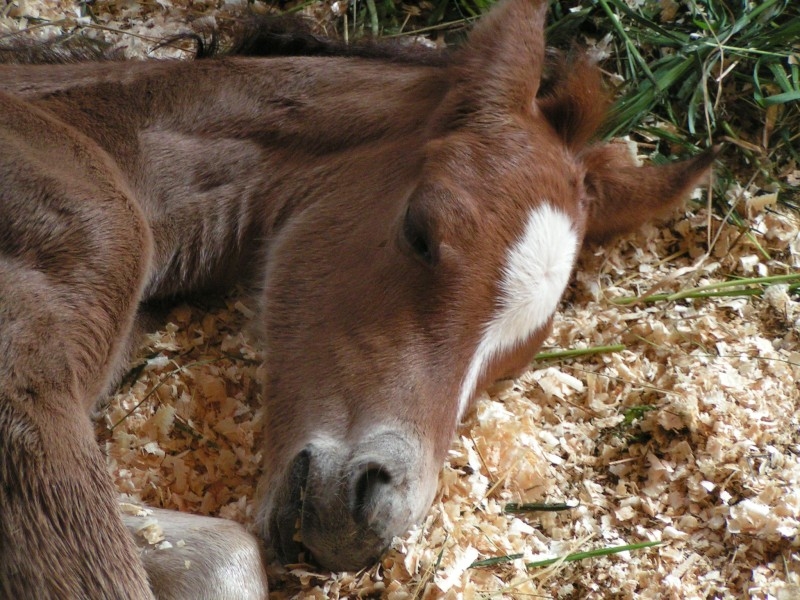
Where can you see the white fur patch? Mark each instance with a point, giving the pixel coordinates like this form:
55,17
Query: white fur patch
537,270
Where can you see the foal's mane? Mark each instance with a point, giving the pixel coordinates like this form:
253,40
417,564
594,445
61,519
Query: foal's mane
571,94
291,35
252,35
62,49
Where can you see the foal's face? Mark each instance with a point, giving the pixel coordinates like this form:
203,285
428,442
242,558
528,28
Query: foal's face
425,268
388,313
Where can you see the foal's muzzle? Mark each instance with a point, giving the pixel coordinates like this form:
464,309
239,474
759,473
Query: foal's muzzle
343,506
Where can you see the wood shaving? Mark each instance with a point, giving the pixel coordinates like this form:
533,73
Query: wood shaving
151,532
690,435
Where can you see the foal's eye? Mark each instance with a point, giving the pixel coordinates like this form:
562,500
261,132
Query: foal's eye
418,239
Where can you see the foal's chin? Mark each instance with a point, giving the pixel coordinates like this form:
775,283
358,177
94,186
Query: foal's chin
340,505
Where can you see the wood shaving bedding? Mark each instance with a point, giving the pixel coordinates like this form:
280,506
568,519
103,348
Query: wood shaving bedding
689,436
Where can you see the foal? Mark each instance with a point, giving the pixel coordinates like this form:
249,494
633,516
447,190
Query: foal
408,226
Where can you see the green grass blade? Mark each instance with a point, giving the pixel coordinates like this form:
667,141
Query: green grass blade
715,289
578,352
497,560
527,507
592,554
782,98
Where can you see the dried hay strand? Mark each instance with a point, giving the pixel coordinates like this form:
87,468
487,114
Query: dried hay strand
686,433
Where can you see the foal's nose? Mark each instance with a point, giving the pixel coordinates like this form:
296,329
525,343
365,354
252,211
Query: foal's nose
350,501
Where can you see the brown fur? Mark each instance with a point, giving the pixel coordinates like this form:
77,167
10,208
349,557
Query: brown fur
369,203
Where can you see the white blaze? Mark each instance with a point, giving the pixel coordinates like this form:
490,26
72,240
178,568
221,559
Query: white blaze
537,270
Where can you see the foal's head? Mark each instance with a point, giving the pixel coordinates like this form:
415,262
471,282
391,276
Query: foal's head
427,276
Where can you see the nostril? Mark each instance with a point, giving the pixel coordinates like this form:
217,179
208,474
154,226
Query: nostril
298,471
371,480
284,521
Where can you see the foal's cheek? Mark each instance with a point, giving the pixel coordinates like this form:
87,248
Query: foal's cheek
519,360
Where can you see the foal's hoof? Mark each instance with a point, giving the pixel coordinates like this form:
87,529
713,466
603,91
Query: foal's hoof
189,557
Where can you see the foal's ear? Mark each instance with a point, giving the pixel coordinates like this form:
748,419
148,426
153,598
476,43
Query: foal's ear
501,62
623,196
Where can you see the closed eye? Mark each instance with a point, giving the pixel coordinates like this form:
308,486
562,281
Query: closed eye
418,239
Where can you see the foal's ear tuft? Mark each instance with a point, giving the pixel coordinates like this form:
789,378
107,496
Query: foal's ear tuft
623,196
574,99
501,62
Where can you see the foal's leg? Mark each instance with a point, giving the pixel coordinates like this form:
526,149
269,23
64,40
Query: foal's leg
74,251
189,557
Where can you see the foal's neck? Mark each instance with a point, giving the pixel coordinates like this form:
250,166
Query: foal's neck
222,153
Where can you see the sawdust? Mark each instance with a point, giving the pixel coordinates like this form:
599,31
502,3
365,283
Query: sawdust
689,436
